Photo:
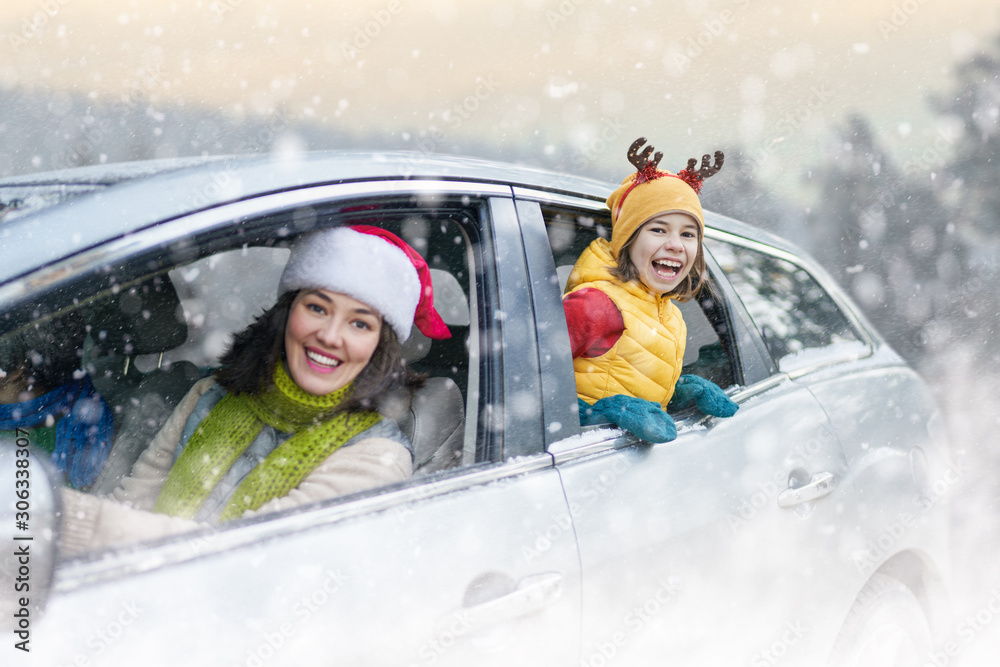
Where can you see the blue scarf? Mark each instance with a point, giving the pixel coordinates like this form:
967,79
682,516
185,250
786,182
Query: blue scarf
83,435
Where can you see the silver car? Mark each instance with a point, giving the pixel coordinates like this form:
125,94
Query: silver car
809,529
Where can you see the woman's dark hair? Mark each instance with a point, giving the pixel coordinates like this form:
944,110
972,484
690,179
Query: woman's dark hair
626,270
248,366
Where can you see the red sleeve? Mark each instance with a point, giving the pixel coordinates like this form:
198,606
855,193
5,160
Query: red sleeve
595,323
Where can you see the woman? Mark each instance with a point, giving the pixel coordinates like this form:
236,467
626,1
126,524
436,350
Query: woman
290,417
626,332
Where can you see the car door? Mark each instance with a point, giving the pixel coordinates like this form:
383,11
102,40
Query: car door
715,548
881,410
475,564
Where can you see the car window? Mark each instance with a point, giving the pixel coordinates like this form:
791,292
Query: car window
706,353
799,322
215,306
142,332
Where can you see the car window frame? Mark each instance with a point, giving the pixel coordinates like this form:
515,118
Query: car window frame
574,440
553,331
515,324
753,362
560,413
498,281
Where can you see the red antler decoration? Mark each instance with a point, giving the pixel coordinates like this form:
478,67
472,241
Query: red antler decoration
696,178
646,167
648,171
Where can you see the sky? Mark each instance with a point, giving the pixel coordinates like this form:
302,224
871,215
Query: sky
572,81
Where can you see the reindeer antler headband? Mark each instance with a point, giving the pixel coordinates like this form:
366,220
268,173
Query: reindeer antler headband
647,169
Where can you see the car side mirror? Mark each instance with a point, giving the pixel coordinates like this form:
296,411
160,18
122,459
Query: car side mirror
29,509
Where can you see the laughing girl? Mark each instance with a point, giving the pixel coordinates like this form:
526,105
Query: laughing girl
626,331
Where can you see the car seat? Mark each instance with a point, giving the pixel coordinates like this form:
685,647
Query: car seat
145,318
434,419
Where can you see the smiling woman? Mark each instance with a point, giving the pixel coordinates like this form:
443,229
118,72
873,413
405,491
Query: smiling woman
329,339
289,418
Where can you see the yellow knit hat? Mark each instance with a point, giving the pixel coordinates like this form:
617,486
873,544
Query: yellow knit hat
649,192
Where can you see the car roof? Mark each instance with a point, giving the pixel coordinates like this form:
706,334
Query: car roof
118,199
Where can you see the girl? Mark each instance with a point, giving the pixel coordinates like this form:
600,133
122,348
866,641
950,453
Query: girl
627,334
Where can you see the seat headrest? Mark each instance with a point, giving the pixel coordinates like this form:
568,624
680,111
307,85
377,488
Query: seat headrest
451,304
144,318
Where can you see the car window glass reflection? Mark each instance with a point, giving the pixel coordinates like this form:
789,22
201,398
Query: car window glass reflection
214,305
799,322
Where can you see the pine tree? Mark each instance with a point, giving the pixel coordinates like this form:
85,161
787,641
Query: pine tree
885,234
969,186
972,176
738,193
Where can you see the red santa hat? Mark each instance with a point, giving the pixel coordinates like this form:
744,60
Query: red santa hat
373,266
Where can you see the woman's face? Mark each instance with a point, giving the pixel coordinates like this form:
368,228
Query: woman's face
329,339
664,250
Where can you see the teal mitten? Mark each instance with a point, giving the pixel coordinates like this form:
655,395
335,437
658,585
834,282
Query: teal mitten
642,418
705,394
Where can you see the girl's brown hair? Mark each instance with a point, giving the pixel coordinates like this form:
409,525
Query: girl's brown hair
689,288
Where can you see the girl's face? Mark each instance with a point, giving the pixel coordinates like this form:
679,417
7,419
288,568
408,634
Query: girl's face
664,250
329,339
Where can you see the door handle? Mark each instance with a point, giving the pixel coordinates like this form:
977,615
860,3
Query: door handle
532,594
819,486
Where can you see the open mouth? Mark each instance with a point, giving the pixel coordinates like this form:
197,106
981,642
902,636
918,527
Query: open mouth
667,268
322,360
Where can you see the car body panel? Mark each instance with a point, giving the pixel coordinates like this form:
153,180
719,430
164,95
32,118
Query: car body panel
700,515
901,470
334,588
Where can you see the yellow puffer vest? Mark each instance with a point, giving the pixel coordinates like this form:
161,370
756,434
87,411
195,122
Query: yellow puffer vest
646,360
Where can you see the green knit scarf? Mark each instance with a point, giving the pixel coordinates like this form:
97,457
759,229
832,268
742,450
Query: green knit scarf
235,422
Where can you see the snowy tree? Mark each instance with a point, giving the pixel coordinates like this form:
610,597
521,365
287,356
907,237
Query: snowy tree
887,236
969,186
975,106
738,193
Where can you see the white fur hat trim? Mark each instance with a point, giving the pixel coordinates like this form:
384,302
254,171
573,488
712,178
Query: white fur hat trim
362,266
